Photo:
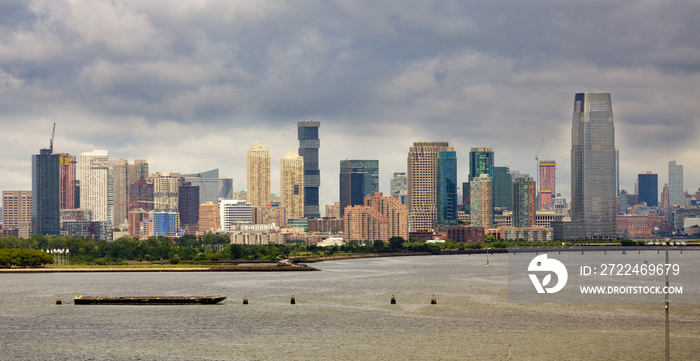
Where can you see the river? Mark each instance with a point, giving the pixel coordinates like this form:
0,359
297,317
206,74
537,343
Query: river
341,313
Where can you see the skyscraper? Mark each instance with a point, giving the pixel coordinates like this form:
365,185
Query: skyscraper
309,144
188,206
422,166
480,162
45,192
649,189
119,191
547,183
675,184
593,185
16,209
358,178
524,201
138,170
481,200
502,189
398,187
292,185
211,187
67,172
259,175
166,190
447,188
94,184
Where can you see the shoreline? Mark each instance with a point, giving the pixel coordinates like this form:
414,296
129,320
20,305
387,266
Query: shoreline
88,269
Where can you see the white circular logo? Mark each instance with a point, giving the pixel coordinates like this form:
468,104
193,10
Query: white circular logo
543,264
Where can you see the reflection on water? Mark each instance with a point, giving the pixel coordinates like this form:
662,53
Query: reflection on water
341,313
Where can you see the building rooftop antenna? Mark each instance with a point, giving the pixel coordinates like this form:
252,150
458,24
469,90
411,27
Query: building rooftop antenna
53,133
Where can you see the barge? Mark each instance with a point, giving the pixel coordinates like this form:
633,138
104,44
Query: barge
149,300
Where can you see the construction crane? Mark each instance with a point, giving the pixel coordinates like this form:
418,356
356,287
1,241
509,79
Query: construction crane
537,161
52,135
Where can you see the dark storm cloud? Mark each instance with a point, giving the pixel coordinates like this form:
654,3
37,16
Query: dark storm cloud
137,77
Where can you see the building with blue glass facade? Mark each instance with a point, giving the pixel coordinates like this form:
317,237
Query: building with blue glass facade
165,224
648,189
358,178
447,188
46,212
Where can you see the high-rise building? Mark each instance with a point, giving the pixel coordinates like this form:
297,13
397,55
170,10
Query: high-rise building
665,196
211,187
235,211
480,162
166,188
593,185
422,166
119,191
398,187
648,189
67,173
447,188
209,217
675,184
16,209
94,184
138,170
394,211
45,193
364,223
481,201
524,201
333,210
547,183
358,178
259,175
292,185
502,189
188,206
309,144
141,194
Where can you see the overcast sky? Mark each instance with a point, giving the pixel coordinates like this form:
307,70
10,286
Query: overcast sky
190,85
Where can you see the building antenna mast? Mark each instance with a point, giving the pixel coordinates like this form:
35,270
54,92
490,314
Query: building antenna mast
52,135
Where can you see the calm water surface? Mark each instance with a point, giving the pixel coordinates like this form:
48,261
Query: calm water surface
342,313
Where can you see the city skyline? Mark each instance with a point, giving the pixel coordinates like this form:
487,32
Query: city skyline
138,85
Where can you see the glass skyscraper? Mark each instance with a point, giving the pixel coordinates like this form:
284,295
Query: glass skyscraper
447,188
675,184
45,193
593,184
358,178
309,144
502,189
648,189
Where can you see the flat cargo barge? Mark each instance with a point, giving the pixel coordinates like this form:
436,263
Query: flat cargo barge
149,300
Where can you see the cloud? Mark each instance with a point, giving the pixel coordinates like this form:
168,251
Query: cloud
190,85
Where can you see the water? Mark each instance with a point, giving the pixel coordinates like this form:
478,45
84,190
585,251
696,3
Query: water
341,313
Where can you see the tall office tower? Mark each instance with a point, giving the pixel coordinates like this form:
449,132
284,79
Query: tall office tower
675,184
394,211
67,173
422,166
481,201
481,161
648,189
166,188
94,184
259,175
547,183
592,167
211,187
502,189
138,170
447,188
617,172
358,178
398,187
292,185
188,206
665,196
234,211
623,201
119,191
45,192
309,144
524,201
141,195
16,209
209,217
